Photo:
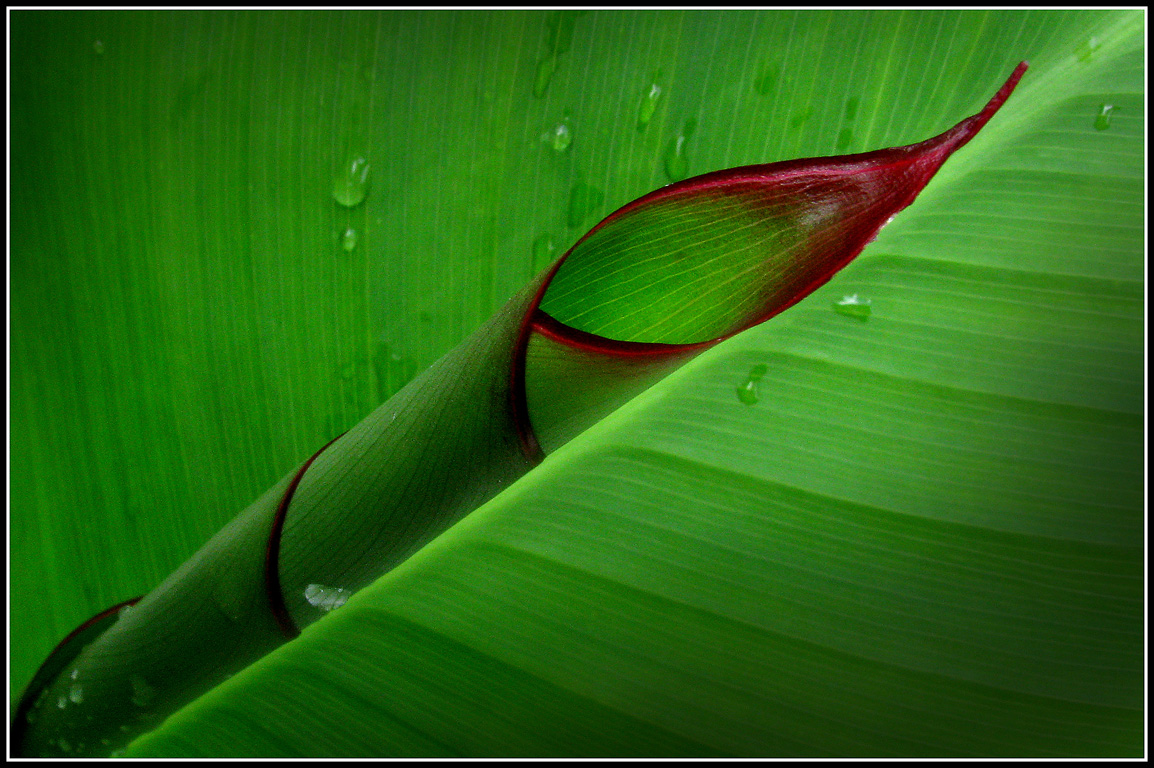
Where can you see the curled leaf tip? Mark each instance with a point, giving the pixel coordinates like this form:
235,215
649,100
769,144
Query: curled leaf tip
698,261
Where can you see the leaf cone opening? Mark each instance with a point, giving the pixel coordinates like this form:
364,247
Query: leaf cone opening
691,264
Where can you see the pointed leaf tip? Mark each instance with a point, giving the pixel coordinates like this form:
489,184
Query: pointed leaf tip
700,260
680,269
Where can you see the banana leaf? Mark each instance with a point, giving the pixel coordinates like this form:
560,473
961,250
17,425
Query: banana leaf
570,615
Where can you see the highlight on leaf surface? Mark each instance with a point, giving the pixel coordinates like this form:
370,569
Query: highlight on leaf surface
654,284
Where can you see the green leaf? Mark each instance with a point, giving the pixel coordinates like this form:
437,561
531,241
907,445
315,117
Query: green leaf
923,538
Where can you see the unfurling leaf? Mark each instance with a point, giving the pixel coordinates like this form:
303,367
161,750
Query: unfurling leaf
654,284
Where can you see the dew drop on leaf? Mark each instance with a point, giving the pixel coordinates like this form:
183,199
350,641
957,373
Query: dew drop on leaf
36,705
853,306
766,79
76,694
1086,50
560,137
349,239
64,745
545,69
851,106
544,250
62,702
1102,121
325,598
583,200
648,105
844,139
676,161
747,392
351,183
676,164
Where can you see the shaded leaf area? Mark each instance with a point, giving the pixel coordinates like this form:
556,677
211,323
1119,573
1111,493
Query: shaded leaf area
573,380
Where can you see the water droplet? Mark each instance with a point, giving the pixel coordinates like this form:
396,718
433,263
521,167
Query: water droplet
851,106
544,252
325,598
1102,121
62,702
766,79
393,370
560,137
560,24
844,139
142,692
76,694
1087,49
853,306
351,183
98,46
747,392
124,612
801,117
545,69
37,704
64,745
349,239
74,673
649,98
676,163
583,200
